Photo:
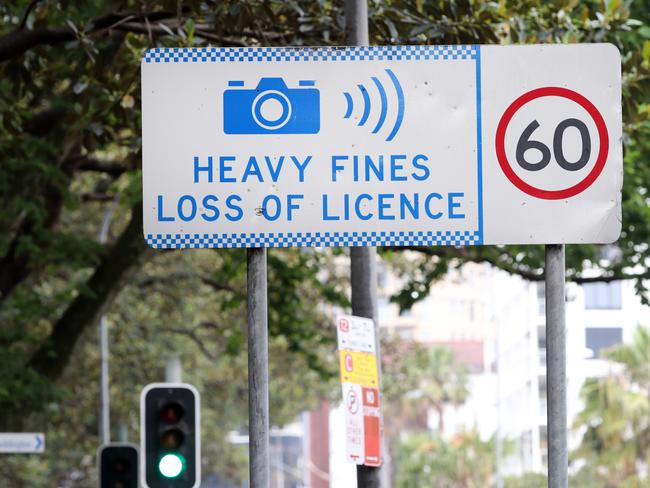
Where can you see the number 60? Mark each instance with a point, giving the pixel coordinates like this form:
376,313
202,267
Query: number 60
524,144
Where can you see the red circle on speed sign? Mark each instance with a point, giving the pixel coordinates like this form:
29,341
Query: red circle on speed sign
603,149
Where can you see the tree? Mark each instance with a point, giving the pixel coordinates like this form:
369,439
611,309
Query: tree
442,383
615,421
416,379
178,305
464,461
71,144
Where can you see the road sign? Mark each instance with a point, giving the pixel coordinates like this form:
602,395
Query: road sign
360,388
355,333
358,367
385,145
22,442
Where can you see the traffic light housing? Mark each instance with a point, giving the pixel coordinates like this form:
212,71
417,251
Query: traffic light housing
170,436
118,466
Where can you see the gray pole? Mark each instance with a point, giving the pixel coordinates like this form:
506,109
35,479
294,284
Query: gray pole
258,373
556,410
498,442
173,370
364,304
103,348
122,433
105,416
356,22
363,260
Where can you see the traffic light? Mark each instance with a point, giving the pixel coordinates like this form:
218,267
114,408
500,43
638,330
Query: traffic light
170,436
118,466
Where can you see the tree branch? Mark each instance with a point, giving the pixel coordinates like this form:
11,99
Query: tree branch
54,354
29,9
113,168
161,29
527,274
18,41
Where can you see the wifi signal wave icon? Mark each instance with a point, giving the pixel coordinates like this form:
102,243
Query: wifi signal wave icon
383,98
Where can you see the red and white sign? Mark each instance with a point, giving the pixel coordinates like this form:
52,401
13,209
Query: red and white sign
354,423
371,427
355,333
356,338
552,152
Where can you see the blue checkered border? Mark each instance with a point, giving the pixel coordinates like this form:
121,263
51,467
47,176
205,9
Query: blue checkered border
364,53
314,239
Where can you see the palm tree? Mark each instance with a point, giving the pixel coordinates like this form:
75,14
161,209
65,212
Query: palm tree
616,417
443,382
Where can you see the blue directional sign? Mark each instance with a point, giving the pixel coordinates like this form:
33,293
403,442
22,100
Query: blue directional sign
381,146
22,442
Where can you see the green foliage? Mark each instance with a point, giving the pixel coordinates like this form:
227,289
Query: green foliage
416,379
528,480
464,461
615,421
70,144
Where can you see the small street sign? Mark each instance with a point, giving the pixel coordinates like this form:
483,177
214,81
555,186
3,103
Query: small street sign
22,442
382,145
360,387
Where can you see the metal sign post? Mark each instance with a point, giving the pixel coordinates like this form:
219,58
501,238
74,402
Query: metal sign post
105,414
258,372
363,259
364,304
556,406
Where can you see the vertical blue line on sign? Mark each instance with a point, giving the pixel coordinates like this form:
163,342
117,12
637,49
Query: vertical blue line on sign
479,142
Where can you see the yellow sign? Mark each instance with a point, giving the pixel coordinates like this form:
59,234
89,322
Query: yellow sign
359,368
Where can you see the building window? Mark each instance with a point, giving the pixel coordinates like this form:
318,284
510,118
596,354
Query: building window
405,333
541,384
541,337
541,297
599,296
599,338
407,312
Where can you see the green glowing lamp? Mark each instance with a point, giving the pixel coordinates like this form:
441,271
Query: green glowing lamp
171,465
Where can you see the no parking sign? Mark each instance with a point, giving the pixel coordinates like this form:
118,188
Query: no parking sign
385,145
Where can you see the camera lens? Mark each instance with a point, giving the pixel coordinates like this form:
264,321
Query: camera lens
271,109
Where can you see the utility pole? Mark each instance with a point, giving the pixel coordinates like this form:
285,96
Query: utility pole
363,259
105,412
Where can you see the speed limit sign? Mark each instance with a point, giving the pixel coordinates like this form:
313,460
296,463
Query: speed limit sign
381,145
558,153
554,165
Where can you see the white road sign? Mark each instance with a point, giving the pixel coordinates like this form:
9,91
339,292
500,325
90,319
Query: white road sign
386,145
360,388
355,333
22,442
354,432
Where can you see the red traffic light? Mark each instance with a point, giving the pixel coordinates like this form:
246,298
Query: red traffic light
172,412
121,465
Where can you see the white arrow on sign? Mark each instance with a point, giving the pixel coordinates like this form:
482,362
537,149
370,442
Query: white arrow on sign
22,442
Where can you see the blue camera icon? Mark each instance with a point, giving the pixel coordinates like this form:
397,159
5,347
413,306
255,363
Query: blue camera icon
271,108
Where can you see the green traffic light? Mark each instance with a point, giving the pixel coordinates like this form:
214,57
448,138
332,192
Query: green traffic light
171,465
